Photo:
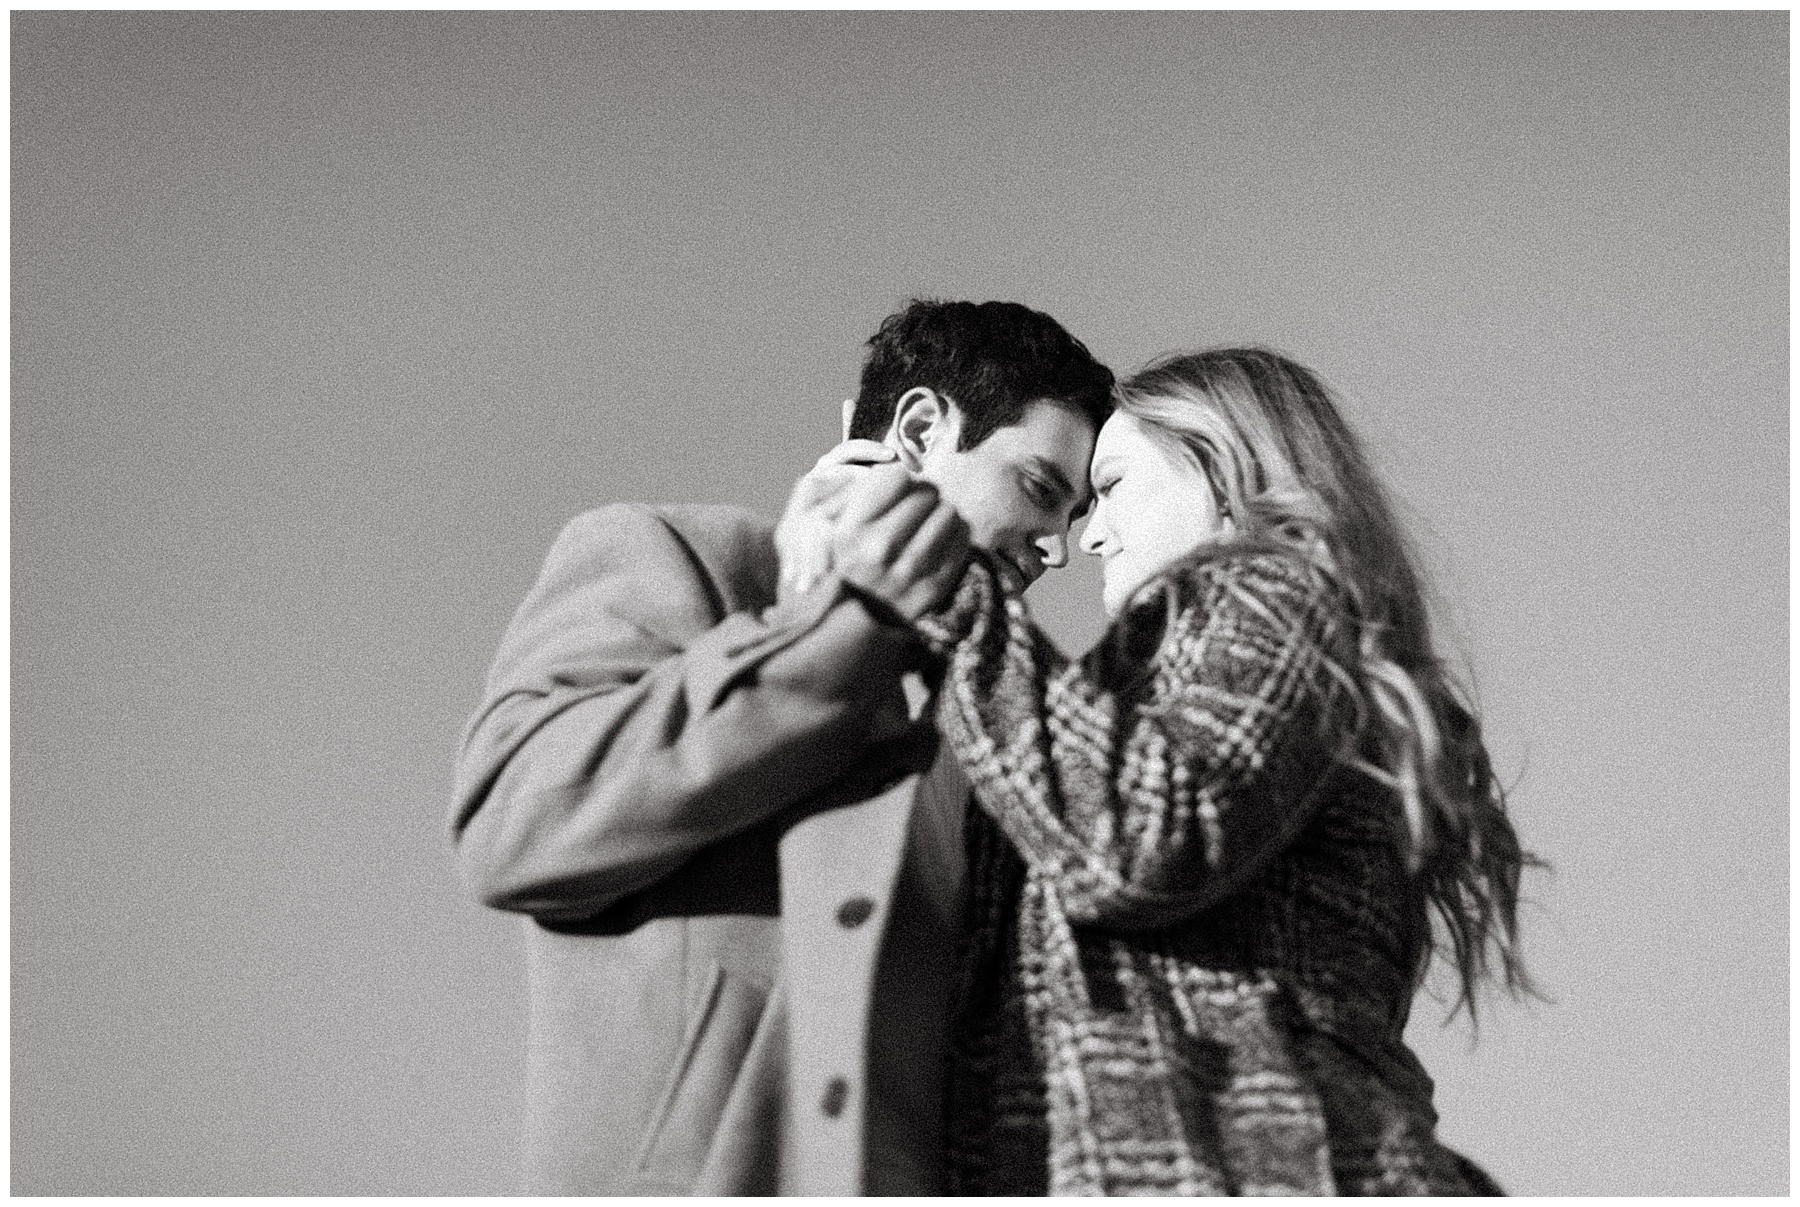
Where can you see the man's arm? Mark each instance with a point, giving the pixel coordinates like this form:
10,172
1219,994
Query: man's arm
626,724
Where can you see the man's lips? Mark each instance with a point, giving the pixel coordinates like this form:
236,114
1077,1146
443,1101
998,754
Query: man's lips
1025,578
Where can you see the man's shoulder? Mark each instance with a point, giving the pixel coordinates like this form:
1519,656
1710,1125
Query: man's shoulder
711,529
732,547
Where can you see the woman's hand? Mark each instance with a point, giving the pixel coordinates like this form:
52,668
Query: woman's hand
803,536
898,543
858,512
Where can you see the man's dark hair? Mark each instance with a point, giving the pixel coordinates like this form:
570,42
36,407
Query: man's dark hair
992,359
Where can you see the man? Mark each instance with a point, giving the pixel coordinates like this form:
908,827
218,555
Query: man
719,806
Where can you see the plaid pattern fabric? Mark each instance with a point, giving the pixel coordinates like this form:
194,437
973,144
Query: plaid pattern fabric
1193,942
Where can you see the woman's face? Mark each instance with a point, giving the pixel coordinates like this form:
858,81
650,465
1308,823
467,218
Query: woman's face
1151,506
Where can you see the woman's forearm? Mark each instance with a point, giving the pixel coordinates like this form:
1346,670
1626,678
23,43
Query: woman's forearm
1155,774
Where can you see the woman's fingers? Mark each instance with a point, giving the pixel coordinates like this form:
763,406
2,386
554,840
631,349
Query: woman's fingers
860,512
823,485
855,452
870,493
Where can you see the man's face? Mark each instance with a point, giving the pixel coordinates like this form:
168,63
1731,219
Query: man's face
1019,489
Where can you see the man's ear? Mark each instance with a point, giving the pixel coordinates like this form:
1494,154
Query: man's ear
848,412
921,420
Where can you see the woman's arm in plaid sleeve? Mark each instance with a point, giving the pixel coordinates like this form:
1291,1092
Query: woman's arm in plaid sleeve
1153,776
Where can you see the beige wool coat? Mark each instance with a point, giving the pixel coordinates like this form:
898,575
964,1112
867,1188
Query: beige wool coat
738,859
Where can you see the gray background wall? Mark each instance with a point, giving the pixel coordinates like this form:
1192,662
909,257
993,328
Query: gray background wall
323,323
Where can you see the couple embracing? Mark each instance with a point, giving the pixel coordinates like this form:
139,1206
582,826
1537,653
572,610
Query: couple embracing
841,879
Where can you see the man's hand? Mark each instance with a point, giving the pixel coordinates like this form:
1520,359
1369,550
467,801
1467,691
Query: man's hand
860,512
803,536
897,541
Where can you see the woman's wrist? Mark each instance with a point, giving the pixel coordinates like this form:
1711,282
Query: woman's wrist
953,618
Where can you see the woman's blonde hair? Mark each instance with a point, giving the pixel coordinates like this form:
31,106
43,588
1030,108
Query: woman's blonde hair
1288,471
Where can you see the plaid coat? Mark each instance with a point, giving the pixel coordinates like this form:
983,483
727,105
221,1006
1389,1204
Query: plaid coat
1195,941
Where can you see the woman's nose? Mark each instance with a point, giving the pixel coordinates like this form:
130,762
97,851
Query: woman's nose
1092,534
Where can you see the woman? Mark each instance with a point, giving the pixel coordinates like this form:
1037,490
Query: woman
1218,842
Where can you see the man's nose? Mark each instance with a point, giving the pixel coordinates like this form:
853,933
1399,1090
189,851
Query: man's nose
1054,550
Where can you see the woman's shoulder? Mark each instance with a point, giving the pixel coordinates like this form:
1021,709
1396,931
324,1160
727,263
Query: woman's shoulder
1243,606
1260,572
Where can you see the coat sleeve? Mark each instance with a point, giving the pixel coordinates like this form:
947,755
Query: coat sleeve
626,724
1154,776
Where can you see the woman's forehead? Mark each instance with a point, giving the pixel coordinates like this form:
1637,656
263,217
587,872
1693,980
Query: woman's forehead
1122,435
